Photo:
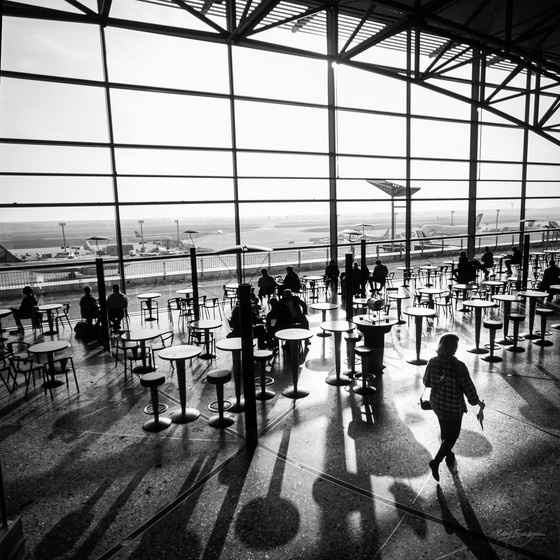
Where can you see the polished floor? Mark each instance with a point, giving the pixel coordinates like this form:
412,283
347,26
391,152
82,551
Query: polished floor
334,475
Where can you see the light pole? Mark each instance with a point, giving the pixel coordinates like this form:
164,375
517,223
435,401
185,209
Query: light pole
141,235
178,236
497,228
62,224
452,212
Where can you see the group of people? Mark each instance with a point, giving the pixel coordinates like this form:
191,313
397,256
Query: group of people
361,277
467,269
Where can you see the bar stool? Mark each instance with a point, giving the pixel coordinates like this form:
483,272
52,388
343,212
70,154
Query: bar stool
153,380
219,377
351,338
364,352
516,318
261,358
492,325
543,313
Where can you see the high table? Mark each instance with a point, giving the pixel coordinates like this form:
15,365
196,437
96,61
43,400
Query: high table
141,336
463,288
294,337
206,325
478,305
494,285
533,296
234,345
374,332
184,292
430,292
50,347
149,297
407,271
180,354
313,284
324,307
419,313
49,308
428,268
507,300
3,313
398,298
337,327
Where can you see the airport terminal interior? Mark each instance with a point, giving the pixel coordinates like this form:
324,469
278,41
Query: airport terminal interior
176,148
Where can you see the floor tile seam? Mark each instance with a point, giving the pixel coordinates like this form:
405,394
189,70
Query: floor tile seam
530,424
176,502
399,506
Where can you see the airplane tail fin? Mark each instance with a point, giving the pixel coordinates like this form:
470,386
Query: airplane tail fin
137,234
479,219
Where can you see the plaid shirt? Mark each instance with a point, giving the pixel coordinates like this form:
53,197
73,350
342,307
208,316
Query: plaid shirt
449,379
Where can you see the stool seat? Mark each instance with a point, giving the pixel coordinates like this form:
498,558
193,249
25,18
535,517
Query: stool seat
352,337
517,317
544,311
364,389
153,379
218,376
363,350
493,324
261,357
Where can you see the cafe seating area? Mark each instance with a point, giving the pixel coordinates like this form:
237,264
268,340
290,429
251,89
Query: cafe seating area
144,453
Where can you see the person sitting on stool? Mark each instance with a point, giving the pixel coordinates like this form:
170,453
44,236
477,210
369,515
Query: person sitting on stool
551,275
27,309
297,309
89,308
516,257
117,303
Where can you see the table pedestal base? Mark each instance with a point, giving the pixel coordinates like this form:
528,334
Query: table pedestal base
543,342
184,417
293,393
418,362
517,349
530,336
478,350
492,359
218,421
238,406
365,391
157,426
338,380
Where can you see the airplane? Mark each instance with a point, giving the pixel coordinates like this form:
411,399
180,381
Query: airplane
353,235
441,230
533,223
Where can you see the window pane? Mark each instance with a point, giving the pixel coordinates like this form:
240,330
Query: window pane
500,143
154,59
291,189
439,169
439,139
379,168
160,119
146,189
271,126
49,111
282,165
431,103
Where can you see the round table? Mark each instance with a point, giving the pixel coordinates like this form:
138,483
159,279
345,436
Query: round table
49,348
324,307
533,296
337,327
419,313
398,298
141,336
149,297
463,288
3,313
374,332
478,305
180,354
294,337
507,300
184,291
494,285
430,292
428,268
234,345
49,308
206,325
313,285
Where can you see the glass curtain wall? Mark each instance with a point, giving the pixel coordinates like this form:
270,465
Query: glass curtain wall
170,142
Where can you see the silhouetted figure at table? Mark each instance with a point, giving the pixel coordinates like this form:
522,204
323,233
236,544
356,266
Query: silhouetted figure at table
266,284
297,309
89,308
465,271
356,280
259,330
117,303
551,276
291,281
449,380
487,261
378,276
277,318
516,257
332,273
27,309
364,278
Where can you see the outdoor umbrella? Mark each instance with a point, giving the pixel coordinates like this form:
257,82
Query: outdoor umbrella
191,232
97,239
363,226
241,250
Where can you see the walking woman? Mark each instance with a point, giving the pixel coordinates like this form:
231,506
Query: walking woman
449,380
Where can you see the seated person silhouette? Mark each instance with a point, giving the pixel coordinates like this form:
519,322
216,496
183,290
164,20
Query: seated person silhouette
89,308
297,309
27,309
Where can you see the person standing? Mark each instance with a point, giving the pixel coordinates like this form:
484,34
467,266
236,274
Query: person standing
450,381
332,272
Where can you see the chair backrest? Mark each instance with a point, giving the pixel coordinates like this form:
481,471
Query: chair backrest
167,338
